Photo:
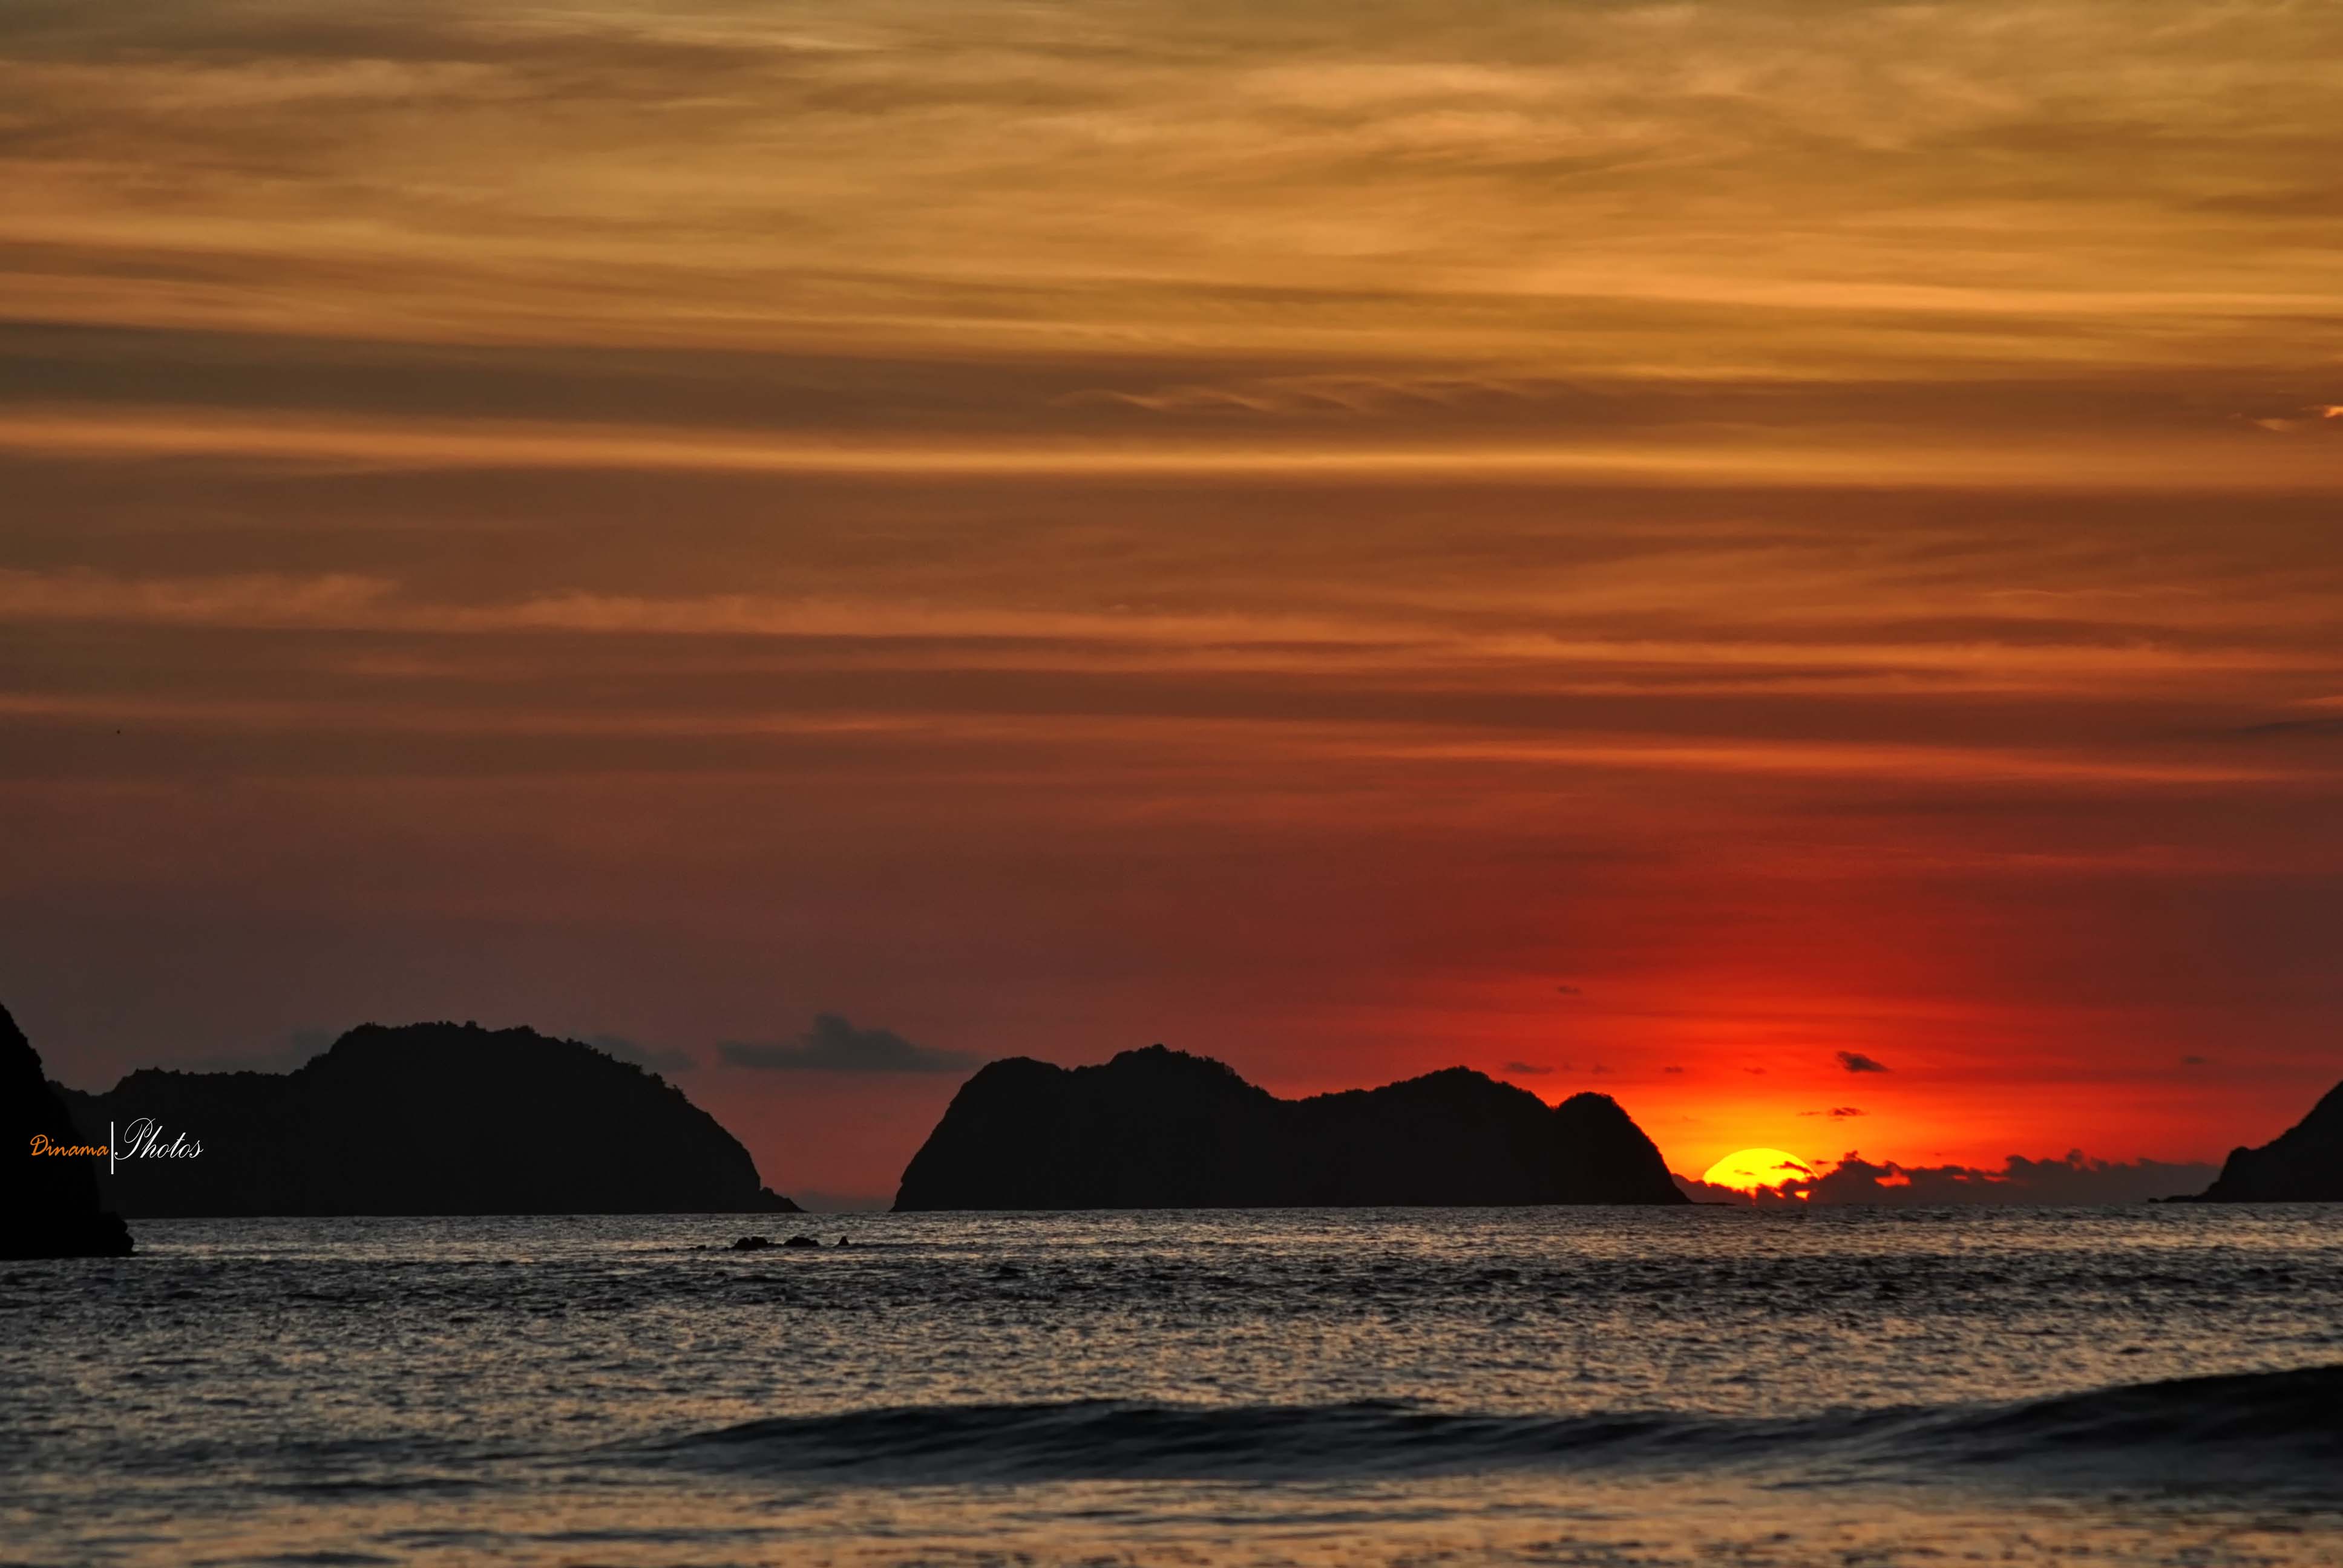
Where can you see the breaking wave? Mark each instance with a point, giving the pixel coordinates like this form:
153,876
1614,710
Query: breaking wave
2279,1428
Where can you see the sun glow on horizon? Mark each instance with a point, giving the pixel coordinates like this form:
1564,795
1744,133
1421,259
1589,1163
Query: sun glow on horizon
1750,1169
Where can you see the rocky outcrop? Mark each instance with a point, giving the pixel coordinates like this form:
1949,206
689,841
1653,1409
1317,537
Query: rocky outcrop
426,1118
1160,1128
2303,1164
49,1204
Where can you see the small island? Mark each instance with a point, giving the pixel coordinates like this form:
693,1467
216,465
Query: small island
422,1118
2303,1164
1160,1128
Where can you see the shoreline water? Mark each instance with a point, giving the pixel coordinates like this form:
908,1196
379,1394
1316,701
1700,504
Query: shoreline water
1327,1386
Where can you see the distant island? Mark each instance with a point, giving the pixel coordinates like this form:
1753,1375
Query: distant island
2303,1164
1159,1129
49,1205
424,1118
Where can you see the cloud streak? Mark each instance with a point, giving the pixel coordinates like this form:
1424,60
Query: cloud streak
2087,462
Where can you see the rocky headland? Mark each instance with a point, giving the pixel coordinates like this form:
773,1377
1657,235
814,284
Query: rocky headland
49,1203
2304,1164
50,1187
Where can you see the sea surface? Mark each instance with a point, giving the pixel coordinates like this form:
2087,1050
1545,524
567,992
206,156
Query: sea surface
1701,1386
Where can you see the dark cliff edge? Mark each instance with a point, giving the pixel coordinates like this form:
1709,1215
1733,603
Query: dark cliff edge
422,1118
2303,1164
1157,1129
49,1205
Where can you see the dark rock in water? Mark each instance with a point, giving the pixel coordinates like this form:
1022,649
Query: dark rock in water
752,1244
425,1118
1160,1128
801,1242
48,1202
2303,1164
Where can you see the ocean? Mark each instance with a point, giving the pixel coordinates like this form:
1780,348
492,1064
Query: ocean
1592,1386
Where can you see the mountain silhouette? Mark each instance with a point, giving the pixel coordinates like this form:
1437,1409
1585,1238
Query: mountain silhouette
48,1202
2304,1164
425,1118
1157,1129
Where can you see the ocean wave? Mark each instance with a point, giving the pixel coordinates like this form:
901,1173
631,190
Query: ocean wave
2282,1428
2241,1414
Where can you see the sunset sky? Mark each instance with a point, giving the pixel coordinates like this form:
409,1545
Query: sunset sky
1669,548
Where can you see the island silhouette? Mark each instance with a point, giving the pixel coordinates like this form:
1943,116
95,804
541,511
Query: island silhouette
422,1118
2304,1164
49,1205
1161,1129
448,1119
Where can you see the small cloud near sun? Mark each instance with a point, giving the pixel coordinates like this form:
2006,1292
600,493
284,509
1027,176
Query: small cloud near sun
1525,1067
1834,1112
1569,990
1672,1070
2192,1061
1855,1062
2307,419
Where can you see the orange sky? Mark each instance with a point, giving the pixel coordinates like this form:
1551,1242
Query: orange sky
1632,547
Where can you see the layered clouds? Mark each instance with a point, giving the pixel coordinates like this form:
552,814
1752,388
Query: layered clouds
1474,197
2017,1182
1278,530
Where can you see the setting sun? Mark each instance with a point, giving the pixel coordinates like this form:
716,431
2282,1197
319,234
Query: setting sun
1753,1168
